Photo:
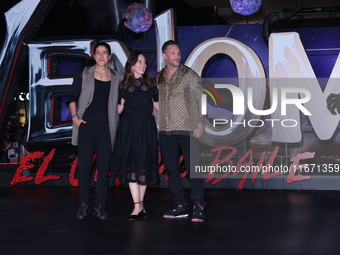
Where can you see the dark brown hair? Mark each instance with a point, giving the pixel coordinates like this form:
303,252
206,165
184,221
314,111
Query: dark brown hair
106,45
168,43
128,74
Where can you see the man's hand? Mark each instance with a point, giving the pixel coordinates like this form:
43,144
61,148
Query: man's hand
198,131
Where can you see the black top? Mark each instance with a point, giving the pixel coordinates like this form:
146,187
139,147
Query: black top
99,104
100,101
138,98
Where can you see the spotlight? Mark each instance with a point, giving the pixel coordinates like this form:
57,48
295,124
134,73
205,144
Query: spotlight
138,18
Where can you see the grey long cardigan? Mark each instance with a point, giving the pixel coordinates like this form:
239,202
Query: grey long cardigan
86,97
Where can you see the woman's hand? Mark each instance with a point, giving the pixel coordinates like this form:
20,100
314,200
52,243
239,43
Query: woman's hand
120,107
77,121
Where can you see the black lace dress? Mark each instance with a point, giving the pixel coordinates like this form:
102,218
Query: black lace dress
135,151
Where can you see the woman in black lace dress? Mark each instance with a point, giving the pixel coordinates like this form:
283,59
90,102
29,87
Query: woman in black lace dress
136,147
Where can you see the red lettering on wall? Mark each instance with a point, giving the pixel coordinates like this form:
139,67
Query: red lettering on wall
295,165
185,173
267,175
95,176
217,161
246,170
24,165
162,166
39,177
255,173
242,166
73,181
247,167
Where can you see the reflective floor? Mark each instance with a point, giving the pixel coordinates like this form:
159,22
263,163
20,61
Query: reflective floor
42,221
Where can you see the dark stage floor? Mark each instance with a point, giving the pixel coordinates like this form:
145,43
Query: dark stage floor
41,220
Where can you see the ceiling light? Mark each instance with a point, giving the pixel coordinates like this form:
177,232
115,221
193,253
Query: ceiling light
245,7
138,18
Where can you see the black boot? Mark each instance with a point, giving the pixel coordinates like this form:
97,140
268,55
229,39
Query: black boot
84,208
100,213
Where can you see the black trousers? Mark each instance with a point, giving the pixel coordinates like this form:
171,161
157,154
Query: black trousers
170,146
94,138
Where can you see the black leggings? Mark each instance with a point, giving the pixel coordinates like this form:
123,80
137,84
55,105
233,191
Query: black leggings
94,137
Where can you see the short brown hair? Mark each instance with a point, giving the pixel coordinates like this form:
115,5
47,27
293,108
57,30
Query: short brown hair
168,43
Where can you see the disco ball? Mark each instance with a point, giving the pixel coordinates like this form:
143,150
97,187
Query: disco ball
139,19
245,7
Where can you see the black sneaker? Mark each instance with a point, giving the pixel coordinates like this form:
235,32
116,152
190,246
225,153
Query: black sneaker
84,209
180,211
100,213
198,213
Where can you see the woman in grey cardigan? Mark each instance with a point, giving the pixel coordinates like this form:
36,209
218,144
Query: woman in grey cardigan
93,101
